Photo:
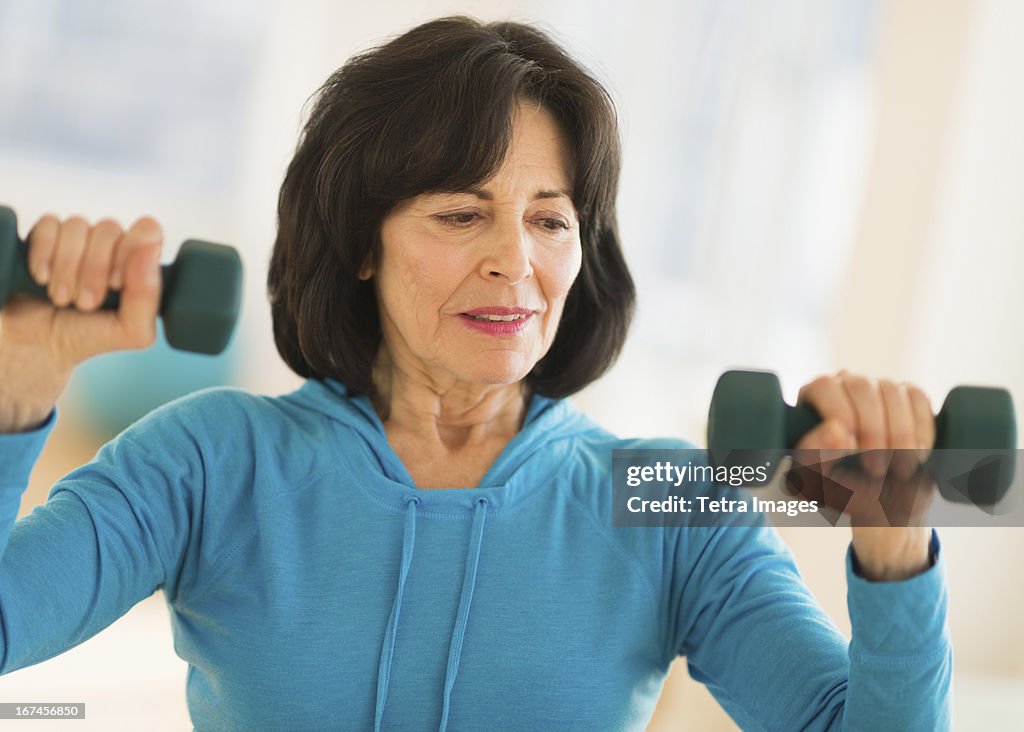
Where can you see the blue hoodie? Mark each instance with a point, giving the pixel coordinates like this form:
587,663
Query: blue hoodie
311,586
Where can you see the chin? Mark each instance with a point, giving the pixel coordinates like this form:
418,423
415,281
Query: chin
498,371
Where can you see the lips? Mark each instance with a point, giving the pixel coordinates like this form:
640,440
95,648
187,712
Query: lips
497,320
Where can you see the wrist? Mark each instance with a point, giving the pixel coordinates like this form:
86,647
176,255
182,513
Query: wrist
28,394
23,418
891,554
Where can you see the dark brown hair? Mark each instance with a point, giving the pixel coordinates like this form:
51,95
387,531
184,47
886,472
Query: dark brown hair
432,110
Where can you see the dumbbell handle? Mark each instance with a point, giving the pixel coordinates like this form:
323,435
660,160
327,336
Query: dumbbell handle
802,418
24,284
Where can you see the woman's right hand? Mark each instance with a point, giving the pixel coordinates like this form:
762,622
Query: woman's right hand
42,342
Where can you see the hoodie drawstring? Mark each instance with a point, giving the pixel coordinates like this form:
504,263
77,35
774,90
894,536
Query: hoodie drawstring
387,649
465,601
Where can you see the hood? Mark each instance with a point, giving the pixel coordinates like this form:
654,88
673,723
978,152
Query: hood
548,422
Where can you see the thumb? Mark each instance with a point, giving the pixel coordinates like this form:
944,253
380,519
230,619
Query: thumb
830,434
826,443
816,455
140,297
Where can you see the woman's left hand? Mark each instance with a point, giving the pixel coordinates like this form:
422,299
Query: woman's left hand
883,491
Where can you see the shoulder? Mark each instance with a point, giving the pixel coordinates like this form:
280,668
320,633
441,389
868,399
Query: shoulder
598,448
220,419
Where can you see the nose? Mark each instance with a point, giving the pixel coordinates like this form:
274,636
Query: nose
507,256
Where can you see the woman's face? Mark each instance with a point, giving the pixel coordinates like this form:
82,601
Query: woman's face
471,284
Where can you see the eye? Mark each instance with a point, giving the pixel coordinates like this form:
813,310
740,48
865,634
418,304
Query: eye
554,224
461,219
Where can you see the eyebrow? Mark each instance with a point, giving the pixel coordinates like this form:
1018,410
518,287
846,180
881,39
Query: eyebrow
488,196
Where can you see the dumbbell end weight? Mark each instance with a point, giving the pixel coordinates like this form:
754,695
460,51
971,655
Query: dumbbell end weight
202,297
747,422
975,445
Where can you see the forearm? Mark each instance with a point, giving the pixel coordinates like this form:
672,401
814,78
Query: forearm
28,389
18,454
900,654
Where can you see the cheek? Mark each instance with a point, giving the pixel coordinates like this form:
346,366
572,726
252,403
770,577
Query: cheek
562,271
414,288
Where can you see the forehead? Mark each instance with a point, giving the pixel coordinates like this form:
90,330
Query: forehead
538,146
538,164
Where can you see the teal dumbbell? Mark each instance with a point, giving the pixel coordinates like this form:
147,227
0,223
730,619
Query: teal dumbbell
976,426
199,303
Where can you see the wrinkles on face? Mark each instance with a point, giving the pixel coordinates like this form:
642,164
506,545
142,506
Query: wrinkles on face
513,242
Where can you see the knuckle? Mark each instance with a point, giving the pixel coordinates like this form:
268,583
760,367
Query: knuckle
46,226
825,380
872,438
71,239
107,228
900,438
817,385
894,395
914,392
76,222
94,274
860,385
147,229
65,259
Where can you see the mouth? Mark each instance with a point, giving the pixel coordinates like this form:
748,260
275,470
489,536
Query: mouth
497,320
498,314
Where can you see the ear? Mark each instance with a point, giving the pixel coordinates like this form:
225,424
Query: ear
367,270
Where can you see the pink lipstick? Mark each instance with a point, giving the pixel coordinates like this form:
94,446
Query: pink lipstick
495,320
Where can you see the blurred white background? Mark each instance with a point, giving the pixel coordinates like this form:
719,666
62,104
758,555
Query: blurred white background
808,185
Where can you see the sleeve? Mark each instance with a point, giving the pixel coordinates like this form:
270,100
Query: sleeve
110,534
754,634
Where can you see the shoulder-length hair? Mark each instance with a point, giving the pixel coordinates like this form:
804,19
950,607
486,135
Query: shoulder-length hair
428,111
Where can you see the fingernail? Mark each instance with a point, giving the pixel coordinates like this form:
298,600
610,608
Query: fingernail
841,437
61,296
85,300
43,273
881,462
115,279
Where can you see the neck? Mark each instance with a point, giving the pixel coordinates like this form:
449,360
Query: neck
453,415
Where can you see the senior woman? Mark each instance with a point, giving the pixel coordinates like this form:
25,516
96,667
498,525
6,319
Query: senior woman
420,535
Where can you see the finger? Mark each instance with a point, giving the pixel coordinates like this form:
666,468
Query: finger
924,420
828,398
42,241
70,244
872,431
899,414
94,271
